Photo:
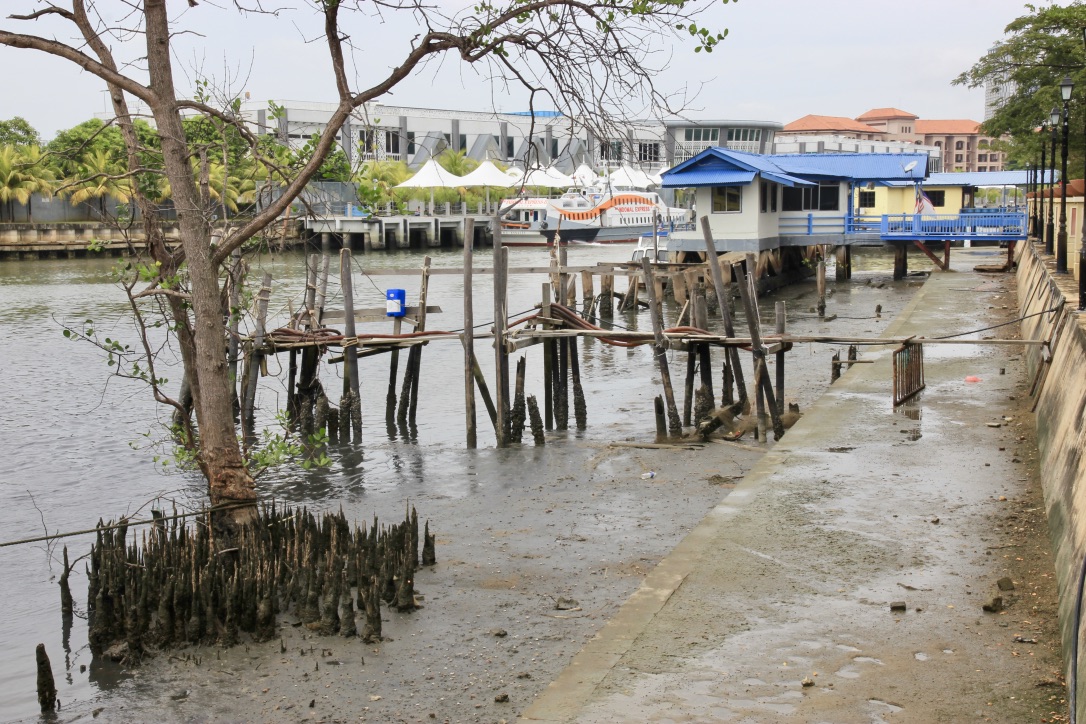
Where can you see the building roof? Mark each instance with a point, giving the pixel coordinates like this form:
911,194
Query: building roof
720,167
883,114
960,127
723,167
981,178
854,166
828,123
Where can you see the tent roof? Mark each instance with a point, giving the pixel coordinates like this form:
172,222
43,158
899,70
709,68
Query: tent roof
431,175
487,174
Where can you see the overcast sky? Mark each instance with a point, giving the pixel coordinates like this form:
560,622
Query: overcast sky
781,60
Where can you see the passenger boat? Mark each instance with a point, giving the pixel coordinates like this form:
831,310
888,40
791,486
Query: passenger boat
585,216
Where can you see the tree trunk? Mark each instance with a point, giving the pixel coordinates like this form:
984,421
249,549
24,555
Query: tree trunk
229,481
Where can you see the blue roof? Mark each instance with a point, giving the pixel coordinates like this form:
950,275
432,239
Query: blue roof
711,167
855,166
982,178
721,167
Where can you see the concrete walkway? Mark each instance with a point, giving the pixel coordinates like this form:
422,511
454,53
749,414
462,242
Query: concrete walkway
777,607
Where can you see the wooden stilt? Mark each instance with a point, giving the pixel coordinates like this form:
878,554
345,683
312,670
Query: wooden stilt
821,288
234,315
484,391
520,411
661,419
588,294
561,392
351,382
763,388
701,321
420,326
501,356
735,367
580,410
468,337
660,350
841,267
256,354
781,312
607,294
901,261
549,363
393,364
688,388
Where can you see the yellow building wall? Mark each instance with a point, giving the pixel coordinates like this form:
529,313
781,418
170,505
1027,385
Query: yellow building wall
902,200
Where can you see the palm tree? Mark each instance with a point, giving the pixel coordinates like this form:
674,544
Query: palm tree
377,179
14,186
458,164
99,179
39,175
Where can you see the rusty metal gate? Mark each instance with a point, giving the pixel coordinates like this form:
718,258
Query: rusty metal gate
908,371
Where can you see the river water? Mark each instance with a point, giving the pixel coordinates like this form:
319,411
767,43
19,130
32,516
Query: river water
78,445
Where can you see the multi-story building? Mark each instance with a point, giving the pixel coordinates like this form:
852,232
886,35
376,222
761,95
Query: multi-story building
414,135
997,89
958,143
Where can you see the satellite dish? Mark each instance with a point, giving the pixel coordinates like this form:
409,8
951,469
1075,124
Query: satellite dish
909,166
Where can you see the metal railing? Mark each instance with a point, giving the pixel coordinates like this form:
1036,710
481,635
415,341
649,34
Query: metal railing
971,224
908,371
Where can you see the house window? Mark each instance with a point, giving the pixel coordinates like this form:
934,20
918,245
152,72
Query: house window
463,142
745,134
959,145
773,197
867,200
410,142
824,197
554,148
938,144
702,135
957,158
937,198
982,168
982,157
392,142
648,152
509,147
763,194
727,199
611,151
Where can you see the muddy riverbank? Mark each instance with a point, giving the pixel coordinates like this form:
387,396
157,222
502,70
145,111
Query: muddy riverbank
517,530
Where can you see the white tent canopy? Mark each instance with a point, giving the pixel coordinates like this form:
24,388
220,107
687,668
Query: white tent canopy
514,173
633,177
549,177
432,175
487,174
584,176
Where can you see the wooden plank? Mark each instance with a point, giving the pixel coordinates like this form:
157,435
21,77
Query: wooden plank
378,314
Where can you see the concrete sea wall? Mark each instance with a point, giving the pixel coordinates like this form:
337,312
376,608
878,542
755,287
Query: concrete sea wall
1049,302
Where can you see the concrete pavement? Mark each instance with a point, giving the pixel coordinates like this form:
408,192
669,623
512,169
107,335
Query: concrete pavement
778,605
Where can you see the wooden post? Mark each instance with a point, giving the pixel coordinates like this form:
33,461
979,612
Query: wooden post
351,382
722,301
701,321
660,350
580,410
322,287
420,326
688,388
661,419
565,282
588,295
234,314
47,688
821,288
561,392
548,364
468,337
501,357
393,364
781,312
841,269
901,261
488,401
607,296
762,386
248,403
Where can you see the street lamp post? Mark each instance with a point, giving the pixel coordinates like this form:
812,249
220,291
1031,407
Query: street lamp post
1031,198
1061,241
1050,228
1041,188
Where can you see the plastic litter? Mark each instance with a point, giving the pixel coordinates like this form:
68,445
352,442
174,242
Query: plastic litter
973,378
649,475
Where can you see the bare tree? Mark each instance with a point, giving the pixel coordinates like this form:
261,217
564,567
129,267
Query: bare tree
591,59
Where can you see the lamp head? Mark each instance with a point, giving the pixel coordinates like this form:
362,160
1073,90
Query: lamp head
1066,86
1054,117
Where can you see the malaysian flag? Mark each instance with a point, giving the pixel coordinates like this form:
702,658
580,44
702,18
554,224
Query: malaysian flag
923,203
